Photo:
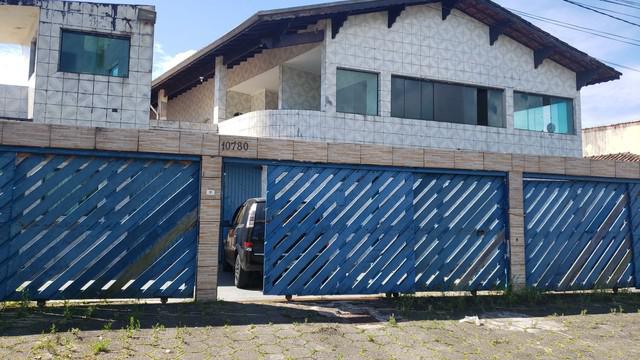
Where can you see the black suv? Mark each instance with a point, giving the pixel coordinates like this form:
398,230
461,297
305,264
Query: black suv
244,245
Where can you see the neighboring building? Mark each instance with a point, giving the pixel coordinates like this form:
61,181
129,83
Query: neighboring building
464,74
612,139
90,63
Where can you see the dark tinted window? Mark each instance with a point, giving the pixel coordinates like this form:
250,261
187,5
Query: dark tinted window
411,98
429,100
455,103
495,108
88,53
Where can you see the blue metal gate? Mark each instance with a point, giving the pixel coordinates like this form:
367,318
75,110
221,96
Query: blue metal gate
634,205
577,234
461,227
341,230
338,231
81,225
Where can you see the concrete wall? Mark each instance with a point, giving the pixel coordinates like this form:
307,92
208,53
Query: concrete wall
93,100
612,139
14,101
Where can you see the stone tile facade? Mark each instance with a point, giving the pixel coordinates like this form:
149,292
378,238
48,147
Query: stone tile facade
93,100
338,127
14,101
300,90
420,44
196,105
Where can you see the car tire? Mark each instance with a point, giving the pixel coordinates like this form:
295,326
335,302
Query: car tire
240,276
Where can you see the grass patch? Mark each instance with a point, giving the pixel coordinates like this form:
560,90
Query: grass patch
100,346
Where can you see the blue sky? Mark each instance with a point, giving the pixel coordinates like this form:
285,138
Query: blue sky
187,25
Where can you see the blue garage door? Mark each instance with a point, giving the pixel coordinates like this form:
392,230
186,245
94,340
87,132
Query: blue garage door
97,225
341,230
578,234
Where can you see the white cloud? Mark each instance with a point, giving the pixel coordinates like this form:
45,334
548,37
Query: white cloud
164,61
15,65
612,102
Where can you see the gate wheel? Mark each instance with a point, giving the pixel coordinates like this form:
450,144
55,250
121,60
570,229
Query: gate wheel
164,300
288,297
41,303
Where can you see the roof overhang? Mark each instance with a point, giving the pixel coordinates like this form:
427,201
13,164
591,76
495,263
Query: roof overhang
18,24
248,38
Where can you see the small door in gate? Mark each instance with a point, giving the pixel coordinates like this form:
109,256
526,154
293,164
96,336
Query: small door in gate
577,234
460,237
334,230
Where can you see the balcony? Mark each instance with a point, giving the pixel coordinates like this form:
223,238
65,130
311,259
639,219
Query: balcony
391,131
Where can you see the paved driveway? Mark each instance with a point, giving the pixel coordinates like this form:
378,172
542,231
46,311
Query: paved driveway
507,327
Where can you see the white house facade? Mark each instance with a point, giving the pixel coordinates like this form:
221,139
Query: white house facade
465,75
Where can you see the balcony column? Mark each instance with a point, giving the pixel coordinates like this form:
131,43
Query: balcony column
220,91
327,73
163,101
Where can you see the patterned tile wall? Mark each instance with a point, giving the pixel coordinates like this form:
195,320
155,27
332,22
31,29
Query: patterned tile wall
262,62
195,105
421,44
13,101
338,127
300,89
237,102
93,100
264,100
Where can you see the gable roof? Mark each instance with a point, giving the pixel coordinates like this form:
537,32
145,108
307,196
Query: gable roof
625,156
247,38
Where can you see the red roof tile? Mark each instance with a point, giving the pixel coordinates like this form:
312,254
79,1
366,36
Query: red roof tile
625,156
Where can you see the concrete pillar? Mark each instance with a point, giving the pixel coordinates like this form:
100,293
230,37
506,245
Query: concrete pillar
220,91
516,230
163,102
209,234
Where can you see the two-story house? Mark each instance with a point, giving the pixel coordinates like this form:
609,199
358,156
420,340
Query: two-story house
465,74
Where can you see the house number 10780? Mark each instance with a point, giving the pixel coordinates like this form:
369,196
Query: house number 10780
235,146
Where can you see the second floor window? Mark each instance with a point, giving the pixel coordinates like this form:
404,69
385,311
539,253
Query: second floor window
89,53
444,102
543,113
356,92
